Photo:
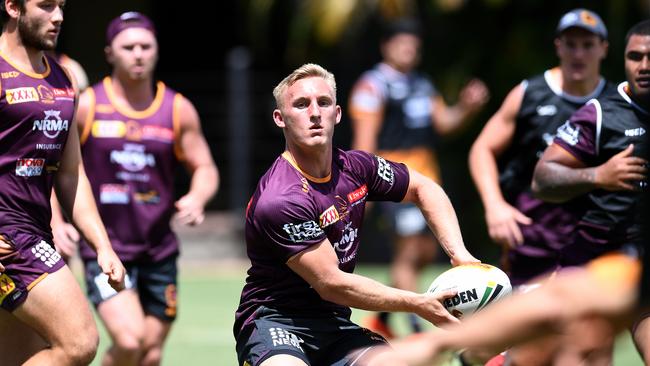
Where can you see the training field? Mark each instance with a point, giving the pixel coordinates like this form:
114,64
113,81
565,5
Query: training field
208,296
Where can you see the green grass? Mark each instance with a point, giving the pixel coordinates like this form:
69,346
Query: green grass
208,298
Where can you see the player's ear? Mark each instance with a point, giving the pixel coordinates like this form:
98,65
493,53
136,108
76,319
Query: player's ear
13,8
278,118
338,114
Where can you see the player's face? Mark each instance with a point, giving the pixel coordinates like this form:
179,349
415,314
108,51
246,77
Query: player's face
637,67
40,23
308,113
402,51
580,54
134,53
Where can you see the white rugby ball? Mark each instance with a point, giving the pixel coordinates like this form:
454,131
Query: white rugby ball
478,285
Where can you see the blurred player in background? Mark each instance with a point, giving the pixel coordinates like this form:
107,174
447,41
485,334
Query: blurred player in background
134,133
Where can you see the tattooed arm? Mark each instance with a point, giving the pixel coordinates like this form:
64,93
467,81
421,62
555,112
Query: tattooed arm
559,176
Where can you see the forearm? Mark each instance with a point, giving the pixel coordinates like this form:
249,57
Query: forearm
558,183
441,217
204,183
364,293
485,174
76,199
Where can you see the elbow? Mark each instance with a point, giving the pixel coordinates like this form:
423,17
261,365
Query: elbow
544,192
330,289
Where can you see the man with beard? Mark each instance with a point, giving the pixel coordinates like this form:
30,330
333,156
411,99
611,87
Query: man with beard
38,293
134,133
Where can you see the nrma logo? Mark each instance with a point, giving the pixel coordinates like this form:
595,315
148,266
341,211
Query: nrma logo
52,124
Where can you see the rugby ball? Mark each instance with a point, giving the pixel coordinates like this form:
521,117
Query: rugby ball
478,285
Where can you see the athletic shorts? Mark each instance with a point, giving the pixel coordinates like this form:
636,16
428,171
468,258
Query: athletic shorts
29,261
406,218
155,284
316,340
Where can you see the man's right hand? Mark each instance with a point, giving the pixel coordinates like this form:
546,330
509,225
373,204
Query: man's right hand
503,224
621,171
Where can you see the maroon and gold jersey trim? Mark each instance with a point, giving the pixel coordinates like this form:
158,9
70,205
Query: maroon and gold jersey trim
176,125
90,118
34,75
287,156
128,112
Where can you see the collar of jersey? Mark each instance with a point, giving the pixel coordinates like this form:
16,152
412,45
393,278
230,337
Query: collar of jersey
623,91
287,156
570,97
129,112
31,74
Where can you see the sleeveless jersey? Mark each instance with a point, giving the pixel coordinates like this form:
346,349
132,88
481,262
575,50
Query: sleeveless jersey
407,134
601,129
130,158
291,211
36,112
543,109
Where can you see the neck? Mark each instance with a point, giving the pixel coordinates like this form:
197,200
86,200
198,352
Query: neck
316,163
138,94
577,88
26,58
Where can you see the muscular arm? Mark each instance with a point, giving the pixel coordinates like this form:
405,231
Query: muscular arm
318,266
198,161
502,219
560,176
440,215
449,119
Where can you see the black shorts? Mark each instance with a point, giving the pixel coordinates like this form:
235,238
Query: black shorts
317,340
155,283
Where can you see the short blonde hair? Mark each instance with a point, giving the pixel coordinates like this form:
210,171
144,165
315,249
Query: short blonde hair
303,72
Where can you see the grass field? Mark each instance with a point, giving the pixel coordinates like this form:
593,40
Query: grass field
208,297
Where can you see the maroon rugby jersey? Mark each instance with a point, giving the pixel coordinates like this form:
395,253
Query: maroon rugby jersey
130,158
291,211
36,113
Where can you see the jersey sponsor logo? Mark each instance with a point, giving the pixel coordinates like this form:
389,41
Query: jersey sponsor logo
384,170
305,184
46,253
348,235
633,132
304,231
61,93
133,157
283,337
9,74
114,194
149,197
157,133
108,129
546,110
329,216
52,124
7,286
358,194
29,167
22,95
49,146
569,133
46,94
